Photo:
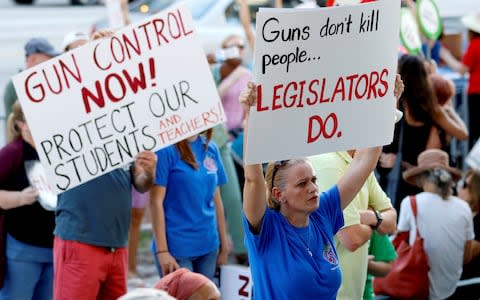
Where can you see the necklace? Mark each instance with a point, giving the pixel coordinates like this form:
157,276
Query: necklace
307,244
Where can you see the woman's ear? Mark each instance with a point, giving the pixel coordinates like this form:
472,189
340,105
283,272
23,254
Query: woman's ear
277,194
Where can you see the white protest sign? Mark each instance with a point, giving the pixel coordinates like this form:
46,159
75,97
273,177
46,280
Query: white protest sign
473,157
409,35
93,109
315,93
235,282
38,179
429,18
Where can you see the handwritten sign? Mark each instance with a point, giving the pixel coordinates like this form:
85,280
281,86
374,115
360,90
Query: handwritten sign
409,35
235,282
93,109
315,94
429,19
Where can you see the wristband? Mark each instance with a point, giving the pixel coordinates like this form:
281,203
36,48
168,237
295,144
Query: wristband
160,252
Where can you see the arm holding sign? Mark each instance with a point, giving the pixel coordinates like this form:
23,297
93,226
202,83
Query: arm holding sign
255,197
13,199
144,171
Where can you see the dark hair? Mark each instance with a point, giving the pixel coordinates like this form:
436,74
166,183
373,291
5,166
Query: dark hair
185,150
418,94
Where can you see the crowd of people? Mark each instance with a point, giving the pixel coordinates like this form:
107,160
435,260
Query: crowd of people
318,227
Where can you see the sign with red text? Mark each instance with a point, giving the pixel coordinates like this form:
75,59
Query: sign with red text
93,109
235,282
325,80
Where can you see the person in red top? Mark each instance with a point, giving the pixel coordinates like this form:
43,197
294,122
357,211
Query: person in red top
471,64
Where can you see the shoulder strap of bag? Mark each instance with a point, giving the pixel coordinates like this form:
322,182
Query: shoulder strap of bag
413,204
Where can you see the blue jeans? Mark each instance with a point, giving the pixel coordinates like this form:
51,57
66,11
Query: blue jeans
204,264
29,273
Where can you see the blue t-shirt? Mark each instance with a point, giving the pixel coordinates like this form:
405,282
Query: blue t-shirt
190,219
280,264
96,212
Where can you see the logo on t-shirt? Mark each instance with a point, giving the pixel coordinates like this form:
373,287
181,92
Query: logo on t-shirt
210,164
329,255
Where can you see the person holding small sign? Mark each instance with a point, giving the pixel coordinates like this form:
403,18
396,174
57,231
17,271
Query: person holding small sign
289,225
187,209
28,226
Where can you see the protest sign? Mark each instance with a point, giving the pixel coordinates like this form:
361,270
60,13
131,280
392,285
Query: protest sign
235,282
325,80
473,157
93,109
409,35
429,18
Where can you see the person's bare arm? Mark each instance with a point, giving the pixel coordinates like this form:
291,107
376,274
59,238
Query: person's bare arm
449,120
222,229
475,248
278,3
168,263
254,192
379,268
357,173
467,252
452,62
355,236
12,199
245,20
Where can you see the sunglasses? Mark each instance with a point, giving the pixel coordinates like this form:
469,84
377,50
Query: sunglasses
462,183
276,167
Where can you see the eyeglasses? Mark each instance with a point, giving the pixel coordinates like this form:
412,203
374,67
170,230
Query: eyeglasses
278,165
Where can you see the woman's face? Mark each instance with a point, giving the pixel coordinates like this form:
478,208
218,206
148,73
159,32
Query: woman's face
207,292
300,193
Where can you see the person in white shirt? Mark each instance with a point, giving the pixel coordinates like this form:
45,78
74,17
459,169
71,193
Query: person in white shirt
444,221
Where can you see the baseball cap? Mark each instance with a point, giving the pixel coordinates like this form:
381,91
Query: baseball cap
39,45
72,37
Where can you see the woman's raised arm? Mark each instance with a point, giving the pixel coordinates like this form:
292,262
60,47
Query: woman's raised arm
254,192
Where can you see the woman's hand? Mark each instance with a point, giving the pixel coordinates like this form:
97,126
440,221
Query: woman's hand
222,257
168,264
28,196
399,87
248,97
387,160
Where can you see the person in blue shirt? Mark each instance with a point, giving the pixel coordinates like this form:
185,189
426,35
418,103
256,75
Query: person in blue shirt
187,210
289,229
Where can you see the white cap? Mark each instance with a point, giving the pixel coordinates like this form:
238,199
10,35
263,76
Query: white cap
72,37
146,294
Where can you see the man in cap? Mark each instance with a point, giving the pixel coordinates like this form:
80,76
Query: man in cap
37,50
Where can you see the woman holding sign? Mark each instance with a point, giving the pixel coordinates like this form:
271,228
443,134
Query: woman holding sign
289,225
187,210
28,226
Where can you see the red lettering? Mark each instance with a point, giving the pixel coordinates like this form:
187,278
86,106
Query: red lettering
145,31
95,60
259,99
185,33
276,106
373,84
98,99
360,95
116,41
38,86
77,76
129,45
311,138
108,89
292,97
313,91
300,98
136,82
159,30
243,289
177,25
59,90
350,88
339,88
322,100
384,83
